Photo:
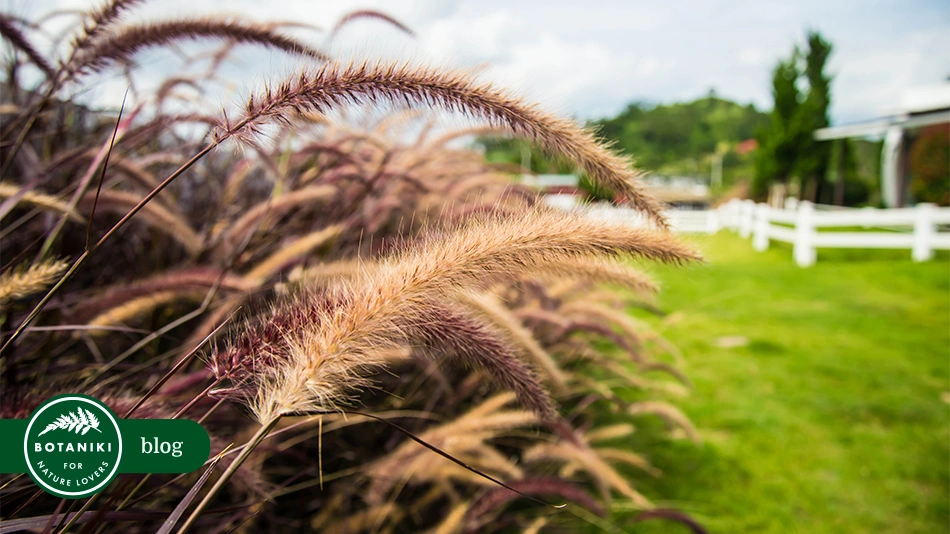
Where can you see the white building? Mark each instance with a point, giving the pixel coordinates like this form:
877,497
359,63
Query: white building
919,107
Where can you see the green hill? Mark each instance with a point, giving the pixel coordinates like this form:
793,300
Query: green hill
674,139
681,138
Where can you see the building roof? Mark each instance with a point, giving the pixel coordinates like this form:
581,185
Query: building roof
918,107
746,146
924,99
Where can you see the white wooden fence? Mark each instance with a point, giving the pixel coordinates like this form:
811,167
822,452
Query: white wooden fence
685,221
921,229
916,229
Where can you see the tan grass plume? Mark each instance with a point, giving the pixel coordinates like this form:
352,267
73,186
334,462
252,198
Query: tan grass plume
122,43
16,37
343,329
155,215
335,84
40,200
22,282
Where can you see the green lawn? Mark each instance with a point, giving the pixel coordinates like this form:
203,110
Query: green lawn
833,417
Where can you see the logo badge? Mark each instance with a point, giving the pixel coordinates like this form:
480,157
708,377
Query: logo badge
73,446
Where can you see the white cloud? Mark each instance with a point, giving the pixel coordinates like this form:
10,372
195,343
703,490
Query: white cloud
752,56
871,81
592,58
472,40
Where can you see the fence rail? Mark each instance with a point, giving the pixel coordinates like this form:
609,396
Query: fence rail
685,221
917,229
921,229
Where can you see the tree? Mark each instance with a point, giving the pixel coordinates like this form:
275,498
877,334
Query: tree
814,155
679,138
802,93
778,142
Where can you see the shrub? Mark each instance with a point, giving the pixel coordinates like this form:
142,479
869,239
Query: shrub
930,166
374,314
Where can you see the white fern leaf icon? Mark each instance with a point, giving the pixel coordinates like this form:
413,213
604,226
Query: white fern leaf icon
61,422
79,422
73,422
93,423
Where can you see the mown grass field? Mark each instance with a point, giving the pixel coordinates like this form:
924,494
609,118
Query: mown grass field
833,417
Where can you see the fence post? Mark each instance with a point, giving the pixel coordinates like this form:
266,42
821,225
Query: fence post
746,211
804,248
732,214
923,232
712,222
868,214
760,229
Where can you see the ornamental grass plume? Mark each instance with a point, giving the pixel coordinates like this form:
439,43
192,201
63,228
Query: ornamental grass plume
576,455
669,413
467,437
153,214
193,279
23,281
489,504
336,84
45,202
100,20
16,37
500,317
121,44
351,261
314,337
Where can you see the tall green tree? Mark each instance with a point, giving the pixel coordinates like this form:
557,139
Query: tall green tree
814,155
779,141
788,151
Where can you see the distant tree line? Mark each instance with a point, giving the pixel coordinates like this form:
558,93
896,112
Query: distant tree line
680,138
761,149
672,139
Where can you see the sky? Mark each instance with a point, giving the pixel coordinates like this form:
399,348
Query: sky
589,59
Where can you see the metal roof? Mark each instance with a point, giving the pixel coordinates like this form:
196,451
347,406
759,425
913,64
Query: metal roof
879,127
918,107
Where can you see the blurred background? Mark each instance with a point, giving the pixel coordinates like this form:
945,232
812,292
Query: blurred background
687,89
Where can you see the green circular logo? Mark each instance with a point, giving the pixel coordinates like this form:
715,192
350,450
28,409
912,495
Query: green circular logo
73,446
